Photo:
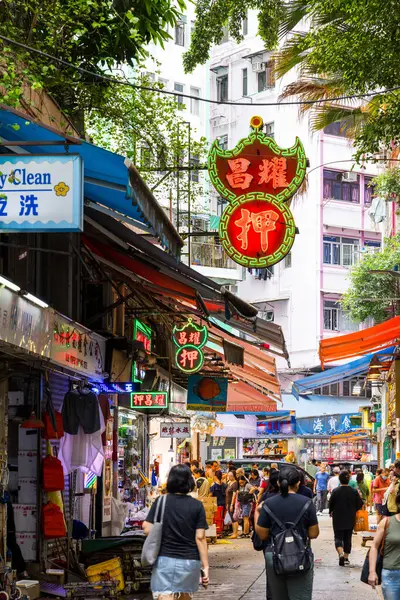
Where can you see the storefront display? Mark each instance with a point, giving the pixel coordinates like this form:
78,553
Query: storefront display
317,448
274,448
351,450
131,478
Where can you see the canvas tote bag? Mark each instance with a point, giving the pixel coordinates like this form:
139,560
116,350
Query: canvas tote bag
151,547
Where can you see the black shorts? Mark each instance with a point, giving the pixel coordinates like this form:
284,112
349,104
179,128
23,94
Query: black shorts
343,539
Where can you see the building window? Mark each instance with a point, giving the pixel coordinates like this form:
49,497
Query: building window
192,24
180,33
341,186
178,87
369,190
245,25
244,82
266,78
270,129
288,260
341,251
223,142
372,246
349,385
222,88
194,103
194,175
335,319
338,129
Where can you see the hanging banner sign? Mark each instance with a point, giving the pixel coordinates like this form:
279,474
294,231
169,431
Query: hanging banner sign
141,333
126,387
328,425
207,394
41,193
174,430
189,339
148,400
257,228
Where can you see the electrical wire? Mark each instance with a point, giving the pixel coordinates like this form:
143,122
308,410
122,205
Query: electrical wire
135,86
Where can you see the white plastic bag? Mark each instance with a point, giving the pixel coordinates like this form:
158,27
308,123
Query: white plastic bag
227,520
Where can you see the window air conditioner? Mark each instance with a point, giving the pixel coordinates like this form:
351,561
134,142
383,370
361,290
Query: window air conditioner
349,176
258,66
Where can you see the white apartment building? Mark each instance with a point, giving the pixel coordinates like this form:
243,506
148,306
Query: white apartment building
301,293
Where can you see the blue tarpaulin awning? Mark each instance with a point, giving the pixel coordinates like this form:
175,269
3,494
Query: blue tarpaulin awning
106,175
302,387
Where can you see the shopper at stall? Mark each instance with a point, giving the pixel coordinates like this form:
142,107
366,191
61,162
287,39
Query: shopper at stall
378,487
363,488
321,488
245,498
334,481
202,484
287,507
183,550
231,497
389,533
218,489
254,478
343,506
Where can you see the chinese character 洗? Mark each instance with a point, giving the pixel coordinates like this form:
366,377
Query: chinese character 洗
188,358
273,170
262,222
3,205
318,426
29,205
238,178
332,421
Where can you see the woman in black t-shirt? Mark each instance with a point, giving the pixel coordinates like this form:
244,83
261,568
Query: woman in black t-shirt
184,546
287,507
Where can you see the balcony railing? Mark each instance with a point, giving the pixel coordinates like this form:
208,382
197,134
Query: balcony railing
210,254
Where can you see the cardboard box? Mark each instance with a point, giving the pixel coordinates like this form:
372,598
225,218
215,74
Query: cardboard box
27,490
29,588
27,439
27,543
27,463
25,516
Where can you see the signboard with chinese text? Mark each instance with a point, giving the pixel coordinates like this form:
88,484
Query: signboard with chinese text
189,339
24,324
118,387
287,427
141,333
328,425
207,394
257,228
147,400
174,430
41,193
77,348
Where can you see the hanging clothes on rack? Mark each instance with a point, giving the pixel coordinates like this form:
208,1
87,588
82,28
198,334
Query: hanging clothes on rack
81,408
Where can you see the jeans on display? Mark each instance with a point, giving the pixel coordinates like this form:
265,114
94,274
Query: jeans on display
391,584
322,497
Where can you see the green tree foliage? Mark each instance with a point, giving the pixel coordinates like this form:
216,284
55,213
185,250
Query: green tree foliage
348,47
375,295
92,34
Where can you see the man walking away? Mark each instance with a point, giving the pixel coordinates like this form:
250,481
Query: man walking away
321,488
334,482
343,506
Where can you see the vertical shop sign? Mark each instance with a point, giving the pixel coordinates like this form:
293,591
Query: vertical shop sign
141,333
189,340
257,178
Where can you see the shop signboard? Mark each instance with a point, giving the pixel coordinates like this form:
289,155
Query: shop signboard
265,447
327,425
77,348
393,393
287,427
141,333
189,341
257,179
207,394
117,387
41,193
24,324
148,400
174,430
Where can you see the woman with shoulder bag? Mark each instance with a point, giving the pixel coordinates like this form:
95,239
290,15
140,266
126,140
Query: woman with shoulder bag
245,499
388,535
183,557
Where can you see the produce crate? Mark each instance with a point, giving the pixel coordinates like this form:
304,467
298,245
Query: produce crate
109,569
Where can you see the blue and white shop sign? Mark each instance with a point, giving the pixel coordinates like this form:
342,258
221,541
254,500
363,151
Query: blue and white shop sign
41,193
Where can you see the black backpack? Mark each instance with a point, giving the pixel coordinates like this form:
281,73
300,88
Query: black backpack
291,555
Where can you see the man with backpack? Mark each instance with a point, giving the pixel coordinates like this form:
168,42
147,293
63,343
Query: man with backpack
289,520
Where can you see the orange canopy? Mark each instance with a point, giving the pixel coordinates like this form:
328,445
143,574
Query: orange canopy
360,342
244,398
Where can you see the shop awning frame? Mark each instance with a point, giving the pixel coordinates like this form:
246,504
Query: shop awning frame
303,387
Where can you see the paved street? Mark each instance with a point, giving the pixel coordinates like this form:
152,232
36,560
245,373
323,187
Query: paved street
237,571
